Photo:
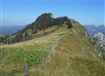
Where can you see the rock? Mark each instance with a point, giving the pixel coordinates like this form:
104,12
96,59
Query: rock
99,40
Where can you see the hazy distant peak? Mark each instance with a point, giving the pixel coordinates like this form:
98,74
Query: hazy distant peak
93,29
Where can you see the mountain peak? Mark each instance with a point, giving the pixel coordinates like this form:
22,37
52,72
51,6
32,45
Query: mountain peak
43,22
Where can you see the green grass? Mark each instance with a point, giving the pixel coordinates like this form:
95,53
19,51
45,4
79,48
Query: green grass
70,58
87,67
13,59
12,56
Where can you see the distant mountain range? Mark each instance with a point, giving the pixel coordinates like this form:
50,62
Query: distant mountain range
10,29
92,29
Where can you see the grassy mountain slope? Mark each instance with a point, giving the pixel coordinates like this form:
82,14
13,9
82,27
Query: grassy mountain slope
43,22
74,55
12,55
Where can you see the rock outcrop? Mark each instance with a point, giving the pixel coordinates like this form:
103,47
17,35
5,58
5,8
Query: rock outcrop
99,40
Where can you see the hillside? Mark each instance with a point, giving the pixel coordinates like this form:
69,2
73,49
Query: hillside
32,30
73,55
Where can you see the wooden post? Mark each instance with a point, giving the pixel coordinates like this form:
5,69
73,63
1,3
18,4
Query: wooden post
53,50
25,67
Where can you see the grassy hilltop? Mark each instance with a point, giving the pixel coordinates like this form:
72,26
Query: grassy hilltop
74,55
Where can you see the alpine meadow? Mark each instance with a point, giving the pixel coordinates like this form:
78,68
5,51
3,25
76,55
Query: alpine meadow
51,45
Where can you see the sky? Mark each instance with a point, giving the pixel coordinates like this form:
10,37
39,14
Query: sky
23,12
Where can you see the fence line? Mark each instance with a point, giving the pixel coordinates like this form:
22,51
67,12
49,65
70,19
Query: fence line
50,54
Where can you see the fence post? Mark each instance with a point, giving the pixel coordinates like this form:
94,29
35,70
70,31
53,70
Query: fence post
25,67
53,49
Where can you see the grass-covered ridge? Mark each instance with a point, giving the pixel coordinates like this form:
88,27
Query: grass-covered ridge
43,22
74,55
12,56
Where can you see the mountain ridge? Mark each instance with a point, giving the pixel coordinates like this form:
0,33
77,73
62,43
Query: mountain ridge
92,29
74,55
43,22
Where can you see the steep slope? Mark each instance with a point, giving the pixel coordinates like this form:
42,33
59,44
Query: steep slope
31,31
74,55
12,55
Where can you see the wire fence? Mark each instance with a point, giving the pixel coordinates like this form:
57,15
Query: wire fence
50,55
